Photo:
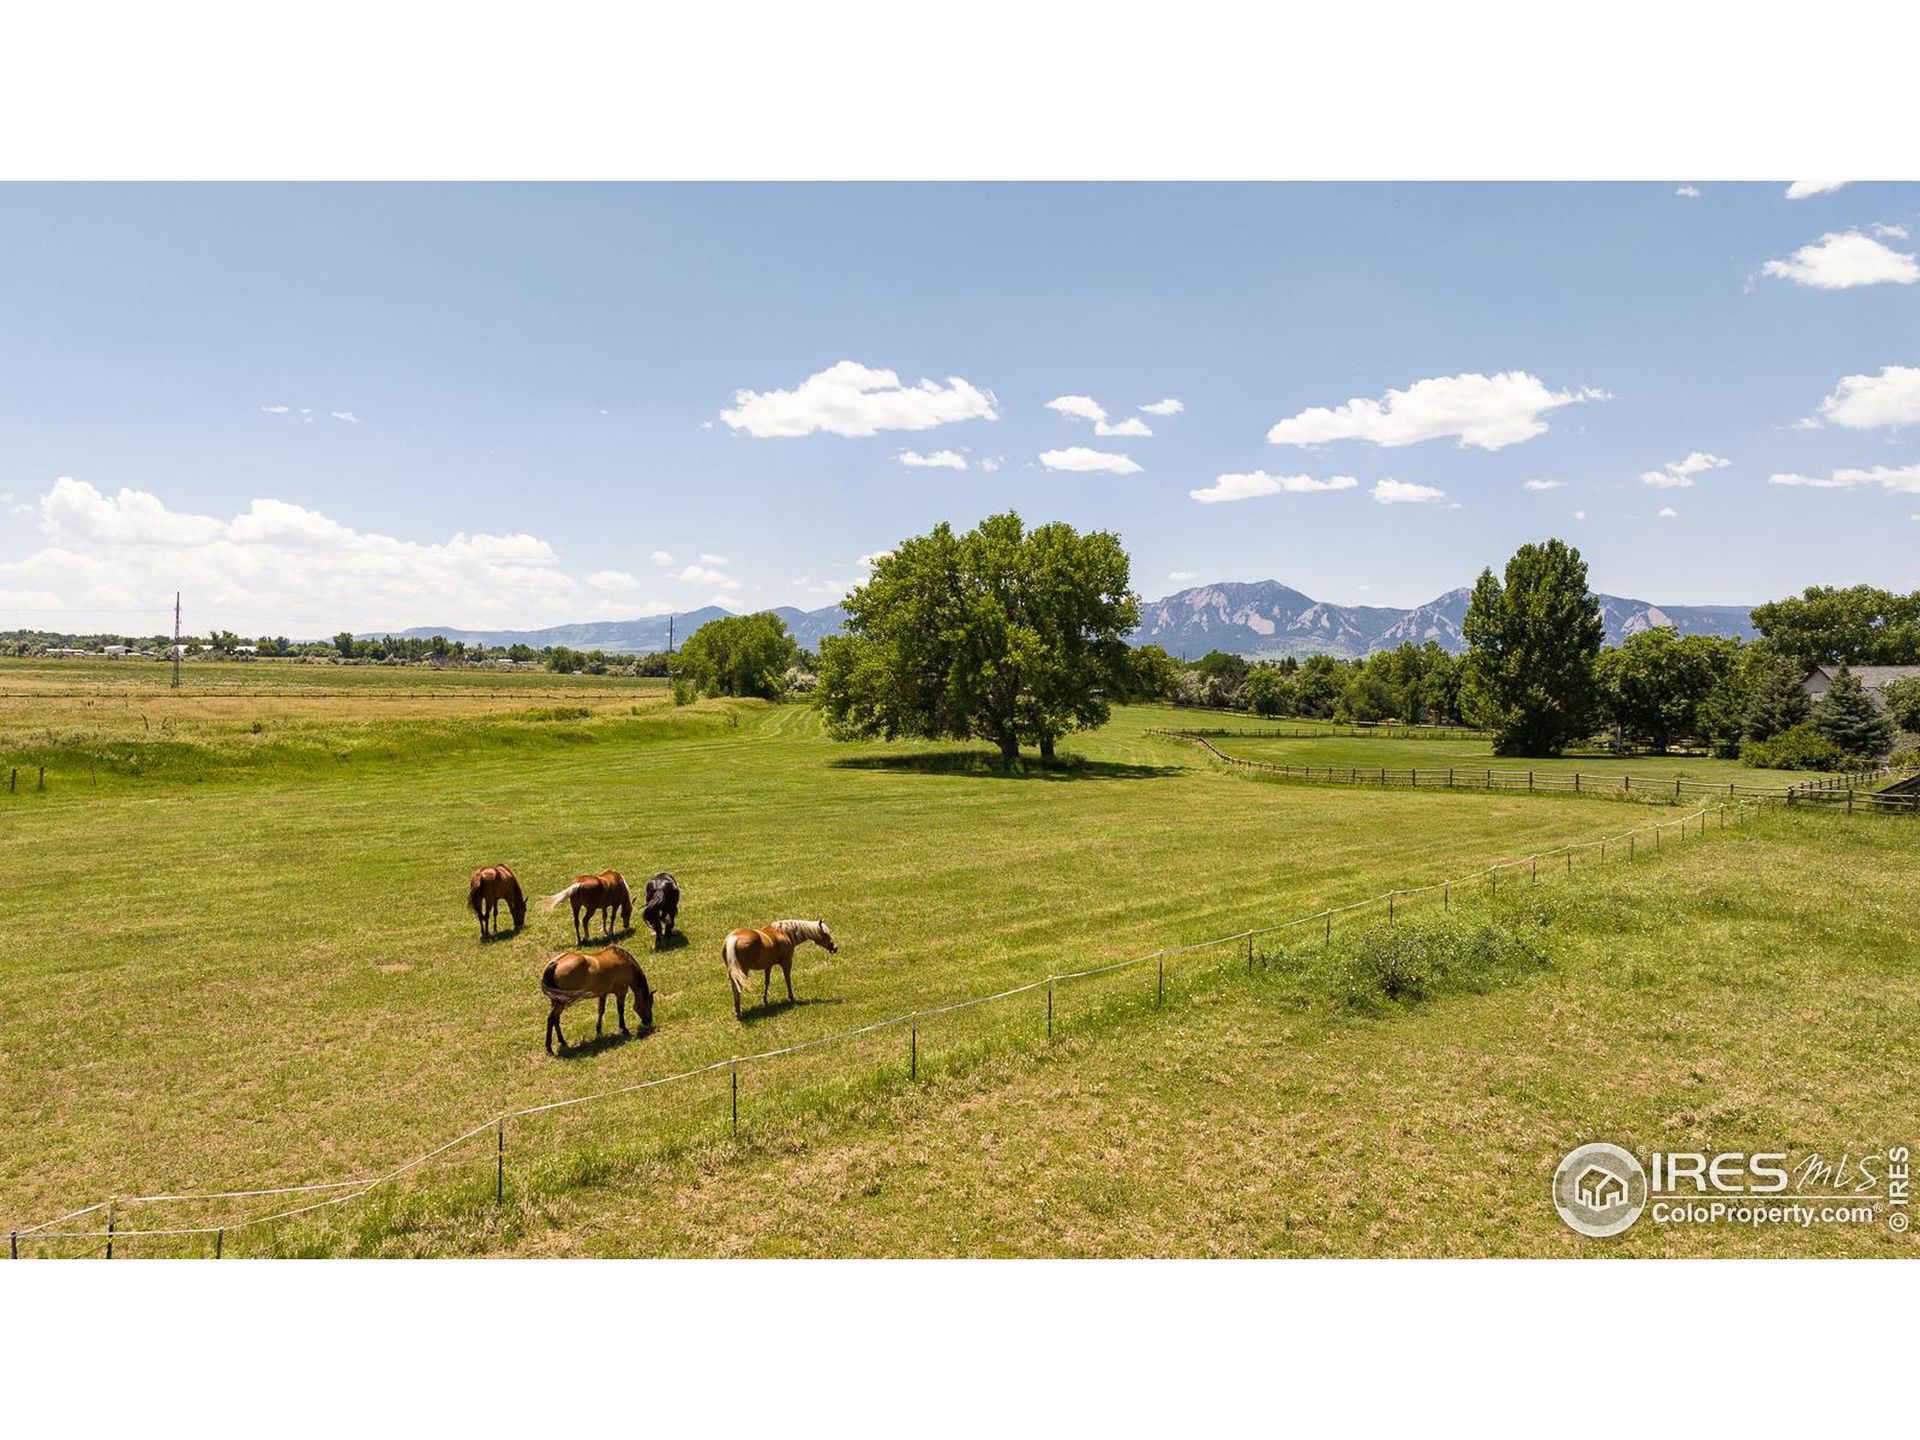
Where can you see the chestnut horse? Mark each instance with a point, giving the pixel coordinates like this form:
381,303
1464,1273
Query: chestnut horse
573,977
590,893
766,947
489,886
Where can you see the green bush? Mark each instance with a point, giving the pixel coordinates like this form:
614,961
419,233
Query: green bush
1801,748
1416,962
1907,759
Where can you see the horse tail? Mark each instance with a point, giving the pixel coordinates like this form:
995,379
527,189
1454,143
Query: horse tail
734,972
554,902
551,990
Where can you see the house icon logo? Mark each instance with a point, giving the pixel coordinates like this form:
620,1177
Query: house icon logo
1600,1189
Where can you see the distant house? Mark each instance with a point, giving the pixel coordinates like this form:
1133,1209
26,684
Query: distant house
1873,679
117,650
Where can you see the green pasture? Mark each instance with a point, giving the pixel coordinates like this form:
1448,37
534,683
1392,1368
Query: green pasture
235,961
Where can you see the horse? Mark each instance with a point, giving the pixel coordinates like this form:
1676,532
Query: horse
766,947
489,886
589,893
662,907
573,977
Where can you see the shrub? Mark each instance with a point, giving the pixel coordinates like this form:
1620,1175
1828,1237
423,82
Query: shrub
1801,748
1417,961
1907,759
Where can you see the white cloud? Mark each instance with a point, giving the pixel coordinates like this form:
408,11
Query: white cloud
1132,425
853,400
346,415
1678,474
1078,407
701,575
275,409
1544,484
1844,259
834,589
1080,459
1183,574
1898,480
1258,483
727,602
1691,192
938,460
1168,406
715,560
990,464
612,580
1488,411
1667,512
874,557
282,566
661,557
1400,492
1893,232
1864,402
1579,514
1801,189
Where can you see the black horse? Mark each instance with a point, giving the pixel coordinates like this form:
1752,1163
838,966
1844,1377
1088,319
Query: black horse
662,907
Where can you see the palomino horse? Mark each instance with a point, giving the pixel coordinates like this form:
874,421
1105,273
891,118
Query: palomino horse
573,977
767,947
603,892
489,886
662,907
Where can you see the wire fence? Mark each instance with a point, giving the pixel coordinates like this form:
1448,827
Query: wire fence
697,1104
1849,791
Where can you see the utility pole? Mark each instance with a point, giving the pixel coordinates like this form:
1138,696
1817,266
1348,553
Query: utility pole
669,634
176,639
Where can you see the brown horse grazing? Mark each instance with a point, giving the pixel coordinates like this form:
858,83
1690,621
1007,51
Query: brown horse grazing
766,947
573,977
489,886
603,892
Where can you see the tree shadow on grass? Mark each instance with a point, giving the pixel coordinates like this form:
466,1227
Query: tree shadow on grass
987,765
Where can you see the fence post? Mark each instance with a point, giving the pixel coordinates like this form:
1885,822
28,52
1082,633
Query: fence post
1049,1009
13,779
736,1099
1529,782
13,1244
1161,997
913,1055
1390,895
1576,782
500,1164
1446,895
43,777
110,1229
219,1242
1626,784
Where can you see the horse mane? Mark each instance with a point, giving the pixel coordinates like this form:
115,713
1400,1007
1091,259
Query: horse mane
805,929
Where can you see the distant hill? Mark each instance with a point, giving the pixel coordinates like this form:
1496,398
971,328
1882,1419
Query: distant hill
1261,618
1271,619
638,637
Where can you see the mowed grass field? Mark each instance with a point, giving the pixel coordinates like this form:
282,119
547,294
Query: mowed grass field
247,967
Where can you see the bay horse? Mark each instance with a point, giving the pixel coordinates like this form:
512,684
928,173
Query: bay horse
591,893
489,886
770,945
573,977
662,907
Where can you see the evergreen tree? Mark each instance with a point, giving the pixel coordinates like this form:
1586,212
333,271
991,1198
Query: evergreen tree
1777,704
1851,721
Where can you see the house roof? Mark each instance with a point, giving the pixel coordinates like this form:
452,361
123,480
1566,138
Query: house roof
1871,676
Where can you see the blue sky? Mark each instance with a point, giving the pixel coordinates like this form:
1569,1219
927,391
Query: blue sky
542,388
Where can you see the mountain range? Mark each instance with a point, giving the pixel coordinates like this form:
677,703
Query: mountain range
1262,618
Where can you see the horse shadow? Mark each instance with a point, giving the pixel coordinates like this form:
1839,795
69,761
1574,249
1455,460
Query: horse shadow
502,935
987,765
674,940
767,1010
596,1044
